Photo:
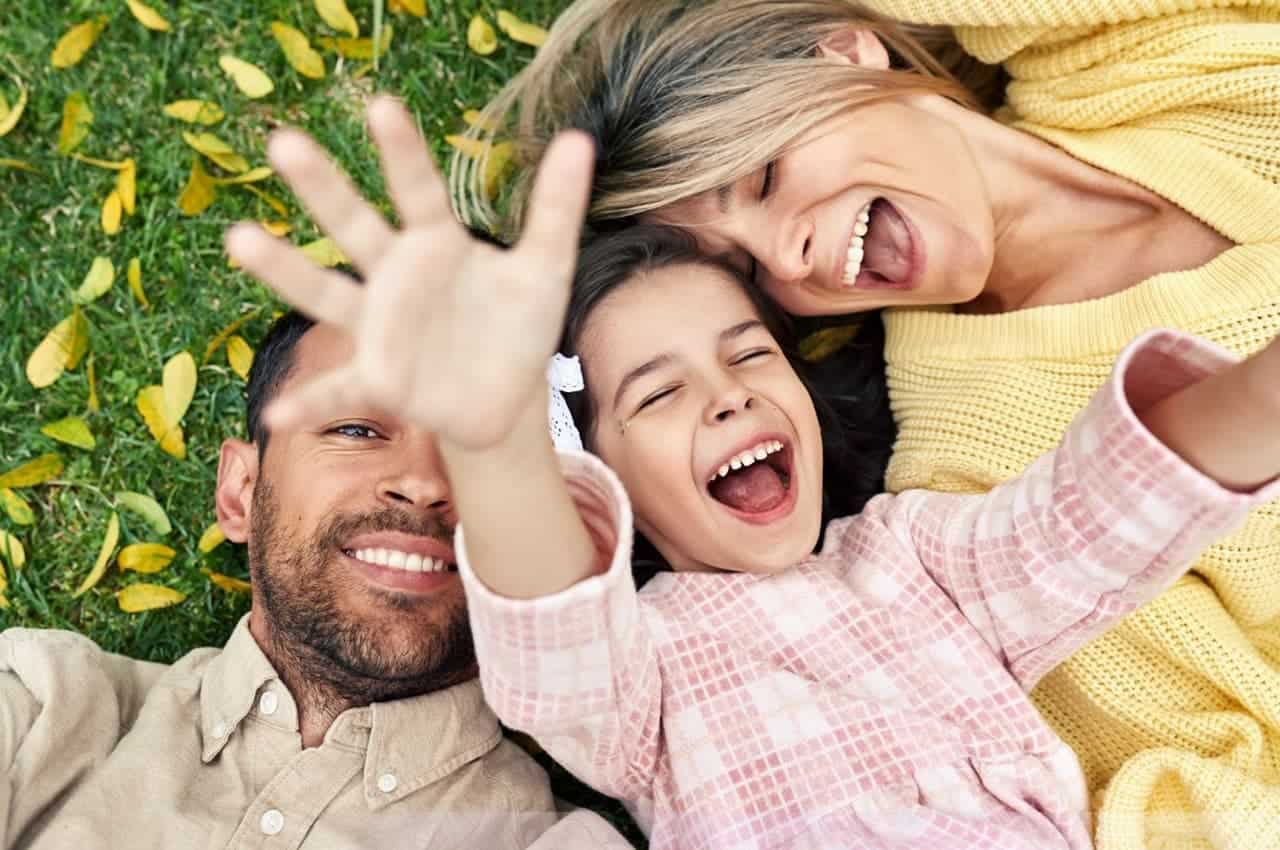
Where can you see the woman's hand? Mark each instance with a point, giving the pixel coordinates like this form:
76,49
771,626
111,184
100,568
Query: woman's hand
450,334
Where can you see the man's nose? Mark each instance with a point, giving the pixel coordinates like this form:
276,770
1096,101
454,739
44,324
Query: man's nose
416,476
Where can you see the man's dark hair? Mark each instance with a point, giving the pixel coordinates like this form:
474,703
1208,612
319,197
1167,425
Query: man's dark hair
275,357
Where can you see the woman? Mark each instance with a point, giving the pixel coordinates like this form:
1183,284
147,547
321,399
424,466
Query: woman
1096,168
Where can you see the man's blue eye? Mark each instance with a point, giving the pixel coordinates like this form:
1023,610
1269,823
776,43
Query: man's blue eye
351,430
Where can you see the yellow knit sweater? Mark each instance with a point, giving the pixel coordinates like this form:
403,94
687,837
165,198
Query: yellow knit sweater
1176,713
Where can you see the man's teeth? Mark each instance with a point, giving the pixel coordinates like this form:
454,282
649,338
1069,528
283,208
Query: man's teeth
853,259
748,457
398,560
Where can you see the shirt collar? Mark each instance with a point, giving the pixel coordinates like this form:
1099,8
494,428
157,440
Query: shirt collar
415,741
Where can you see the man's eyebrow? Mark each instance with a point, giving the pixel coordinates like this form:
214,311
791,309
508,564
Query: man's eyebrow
646,368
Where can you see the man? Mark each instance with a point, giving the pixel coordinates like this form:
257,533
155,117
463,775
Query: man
343,712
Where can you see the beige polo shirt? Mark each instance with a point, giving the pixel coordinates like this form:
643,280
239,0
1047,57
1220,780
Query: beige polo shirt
105,753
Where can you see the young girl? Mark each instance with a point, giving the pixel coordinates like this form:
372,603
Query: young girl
757,695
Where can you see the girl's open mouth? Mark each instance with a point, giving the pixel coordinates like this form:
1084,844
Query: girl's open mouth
754,484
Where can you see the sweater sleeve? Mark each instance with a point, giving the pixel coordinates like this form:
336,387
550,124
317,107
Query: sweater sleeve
1043,14
1089,532
577,670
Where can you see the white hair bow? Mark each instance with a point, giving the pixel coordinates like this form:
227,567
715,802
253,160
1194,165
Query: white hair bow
564,374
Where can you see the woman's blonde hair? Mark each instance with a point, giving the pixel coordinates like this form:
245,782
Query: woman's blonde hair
686,96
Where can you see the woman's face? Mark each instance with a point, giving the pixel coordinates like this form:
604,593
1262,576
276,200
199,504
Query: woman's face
881,207
704,420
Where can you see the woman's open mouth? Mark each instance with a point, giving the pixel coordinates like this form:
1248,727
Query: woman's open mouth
754,484
883,252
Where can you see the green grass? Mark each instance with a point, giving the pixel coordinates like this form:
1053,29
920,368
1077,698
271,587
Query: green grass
50,233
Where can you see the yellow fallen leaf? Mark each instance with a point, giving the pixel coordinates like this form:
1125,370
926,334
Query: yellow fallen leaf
480,36
356,48
72,47
194,111
255,175
277,228
104,555
12,550
337,16
77,118
417,8
211,539
324,252
225,334
6,162
820,345
78,342
134,277
102,274
10,118
249,78
92,404
179,386
148,17
518,30
111,209
298,50
140,597
147,508
270,200
108,164
475,118
72,430
233,585
217,150
33,472
145,557
199,192
151,406
16,507
127,185
239,356
61,349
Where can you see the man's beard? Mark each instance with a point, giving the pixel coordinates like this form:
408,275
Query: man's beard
331,654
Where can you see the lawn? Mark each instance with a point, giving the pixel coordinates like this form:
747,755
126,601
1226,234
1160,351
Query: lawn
51,231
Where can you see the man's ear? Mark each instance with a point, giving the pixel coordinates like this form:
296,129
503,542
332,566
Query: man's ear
237,474
855,46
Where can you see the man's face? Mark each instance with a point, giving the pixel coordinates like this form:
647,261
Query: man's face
350,530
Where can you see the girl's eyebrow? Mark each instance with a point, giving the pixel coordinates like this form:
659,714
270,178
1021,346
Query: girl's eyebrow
665,359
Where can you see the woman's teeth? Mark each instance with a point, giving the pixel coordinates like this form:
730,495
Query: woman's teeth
398,560
853,259
748,457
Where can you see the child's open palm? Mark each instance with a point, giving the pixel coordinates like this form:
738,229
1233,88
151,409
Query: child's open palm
449,333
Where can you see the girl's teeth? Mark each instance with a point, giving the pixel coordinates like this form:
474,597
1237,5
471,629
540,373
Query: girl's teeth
724,470
749,457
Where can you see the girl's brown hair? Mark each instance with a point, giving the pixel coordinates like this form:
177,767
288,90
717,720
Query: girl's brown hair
684,96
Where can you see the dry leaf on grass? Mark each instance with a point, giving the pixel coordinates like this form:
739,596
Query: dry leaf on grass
72,430
10,116
337,16
239,356
356,48
518,30
73,45
217,151
12,550
417,8
480,36
225,334
18,509
151,407
127,185
298,51
249,78
104,556
147,16
77,118
199,192
140,597
97,282
234,585
146,558
44,468
211,539
111,212
134,276
324,252
194,111
61,349
147,508
92,403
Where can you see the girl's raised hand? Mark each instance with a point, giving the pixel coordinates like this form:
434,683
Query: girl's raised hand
449,333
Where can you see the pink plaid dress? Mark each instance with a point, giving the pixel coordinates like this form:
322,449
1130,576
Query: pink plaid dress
873,696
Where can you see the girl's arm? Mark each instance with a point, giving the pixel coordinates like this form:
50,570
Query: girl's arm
1091,531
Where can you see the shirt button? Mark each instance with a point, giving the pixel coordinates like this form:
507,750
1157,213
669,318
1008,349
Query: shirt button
269,702
387,783
272,822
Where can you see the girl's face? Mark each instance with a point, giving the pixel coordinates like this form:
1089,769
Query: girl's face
884,206
704,420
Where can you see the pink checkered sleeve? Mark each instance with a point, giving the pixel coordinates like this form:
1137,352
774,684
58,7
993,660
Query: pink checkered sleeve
577,670
1088,533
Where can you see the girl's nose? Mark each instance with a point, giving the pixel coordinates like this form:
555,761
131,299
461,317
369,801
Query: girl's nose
728,401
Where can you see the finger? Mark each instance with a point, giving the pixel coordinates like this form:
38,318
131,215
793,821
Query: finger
331,396
414,183
558,205
322,294
331,198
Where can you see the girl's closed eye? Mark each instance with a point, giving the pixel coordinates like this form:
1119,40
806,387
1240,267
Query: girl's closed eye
655,397
752,355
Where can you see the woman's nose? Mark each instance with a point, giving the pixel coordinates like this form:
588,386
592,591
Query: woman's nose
791,255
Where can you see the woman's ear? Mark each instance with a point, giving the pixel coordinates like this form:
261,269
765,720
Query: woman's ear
855,46
237,474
